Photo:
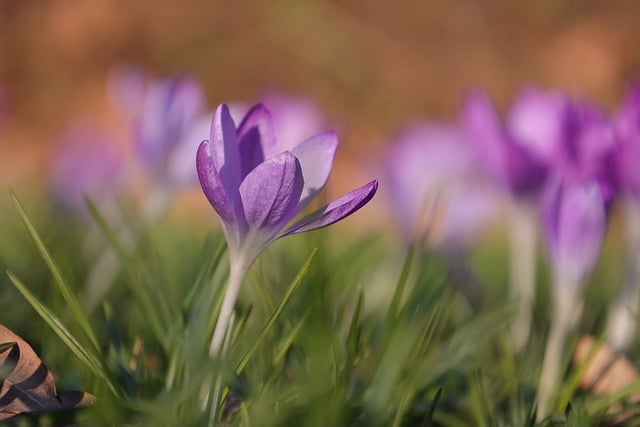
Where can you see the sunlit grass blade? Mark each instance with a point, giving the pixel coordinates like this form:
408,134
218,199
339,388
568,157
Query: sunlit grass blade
291,290
85,355
67,294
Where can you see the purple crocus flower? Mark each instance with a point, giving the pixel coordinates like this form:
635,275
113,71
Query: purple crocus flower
432,165
627,156
622,320
170,111
85,162
295,118
257,189
541,121
506,158
575,219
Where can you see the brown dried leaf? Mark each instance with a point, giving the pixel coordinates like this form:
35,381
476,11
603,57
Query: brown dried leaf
606,373
26,385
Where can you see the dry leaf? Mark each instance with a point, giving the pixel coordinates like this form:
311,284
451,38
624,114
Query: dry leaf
606,373
26,385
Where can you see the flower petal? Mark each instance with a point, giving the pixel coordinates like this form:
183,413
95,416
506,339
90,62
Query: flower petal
212,184
335,211
271,191
256,138
575,223
224,151
316,159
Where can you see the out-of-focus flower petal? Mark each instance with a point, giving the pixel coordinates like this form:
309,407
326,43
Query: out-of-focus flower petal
181,169
295,118
539,120
423,164
271,192
169,108
85,162
316,160
336,210
510,163
575,221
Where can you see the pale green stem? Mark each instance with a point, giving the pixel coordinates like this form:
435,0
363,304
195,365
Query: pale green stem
237,272
522,257
621,325
566,313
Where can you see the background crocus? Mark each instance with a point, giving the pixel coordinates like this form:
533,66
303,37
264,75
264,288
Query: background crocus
257,189
295,118
623,315
575,219
86,161
429,168
171,109
512,156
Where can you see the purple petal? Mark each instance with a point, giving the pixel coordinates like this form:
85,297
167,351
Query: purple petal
271,191
316,159
424,162
335,211
169,108
540,121
256,138
295,118
212,184
511,164
224,151
575,222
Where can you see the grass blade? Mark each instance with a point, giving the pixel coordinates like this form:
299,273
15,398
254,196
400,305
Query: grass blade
291,290
402,283
144,296
85,355
72,303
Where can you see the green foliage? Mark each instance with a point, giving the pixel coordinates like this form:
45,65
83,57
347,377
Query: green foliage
351,333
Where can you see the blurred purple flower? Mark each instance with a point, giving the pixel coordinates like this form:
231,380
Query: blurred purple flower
126,88
257,188
575,219
589,151
295,118
432,164
510,161
85,161
171,112
541,122
627,156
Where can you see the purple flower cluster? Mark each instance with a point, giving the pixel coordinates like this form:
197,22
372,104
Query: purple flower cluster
560,163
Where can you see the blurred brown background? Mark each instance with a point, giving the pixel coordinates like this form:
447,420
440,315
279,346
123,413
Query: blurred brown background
373,66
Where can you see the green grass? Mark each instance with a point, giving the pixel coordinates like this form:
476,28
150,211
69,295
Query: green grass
356,332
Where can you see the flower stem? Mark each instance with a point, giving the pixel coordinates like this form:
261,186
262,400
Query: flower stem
236,276
238,270
522,236
622,320
566,313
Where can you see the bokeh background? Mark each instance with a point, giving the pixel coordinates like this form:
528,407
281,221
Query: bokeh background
372,67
